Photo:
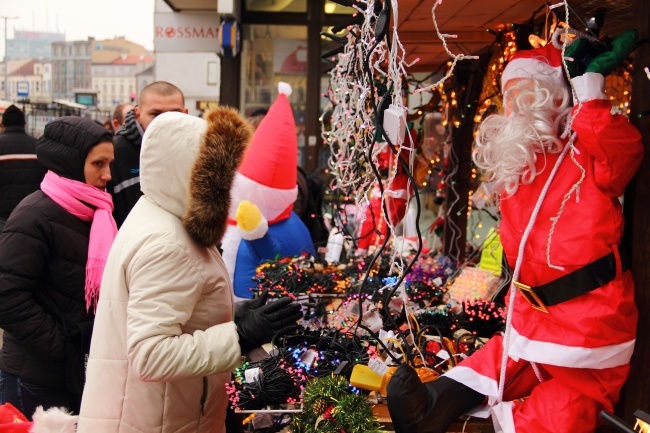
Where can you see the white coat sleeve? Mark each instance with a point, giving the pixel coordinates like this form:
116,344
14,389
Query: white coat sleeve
164,287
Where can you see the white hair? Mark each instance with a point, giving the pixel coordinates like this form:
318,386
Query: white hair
507,147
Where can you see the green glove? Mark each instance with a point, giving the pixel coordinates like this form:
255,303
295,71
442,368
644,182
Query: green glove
581,53
622,46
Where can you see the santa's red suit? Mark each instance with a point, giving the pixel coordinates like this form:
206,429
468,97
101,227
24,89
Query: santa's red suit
582,346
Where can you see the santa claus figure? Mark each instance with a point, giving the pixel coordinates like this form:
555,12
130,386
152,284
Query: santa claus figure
262,224
572,318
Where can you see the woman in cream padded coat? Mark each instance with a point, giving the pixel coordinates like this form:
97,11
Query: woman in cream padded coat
164,342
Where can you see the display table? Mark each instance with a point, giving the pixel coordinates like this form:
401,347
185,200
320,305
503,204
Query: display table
474,425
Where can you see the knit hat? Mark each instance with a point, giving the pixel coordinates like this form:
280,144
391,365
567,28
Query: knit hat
13,116
544,63
65,143
267,177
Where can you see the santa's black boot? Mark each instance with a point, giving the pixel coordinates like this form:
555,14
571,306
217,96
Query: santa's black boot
417,407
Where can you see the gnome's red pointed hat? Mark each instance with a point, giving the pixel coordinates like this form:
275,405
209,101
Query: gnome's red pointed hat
267,176
544,63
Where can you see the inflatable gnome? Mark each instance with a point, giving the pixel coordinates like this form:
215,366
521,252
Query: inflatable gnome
572,320
262,224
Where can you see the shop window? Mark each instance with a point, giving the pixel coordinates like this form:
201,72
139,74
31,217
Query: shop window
271,54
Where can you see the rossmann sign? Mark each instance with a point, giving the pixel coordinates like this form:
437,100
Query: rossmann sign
186,32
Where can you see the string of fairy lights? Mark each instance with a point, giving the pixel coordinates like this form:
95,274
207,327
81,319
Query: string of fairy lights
353,121
440,297
368,72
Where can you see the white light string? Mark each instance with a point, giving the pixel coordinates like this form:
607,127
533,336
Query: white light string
568,148
443,38
353,129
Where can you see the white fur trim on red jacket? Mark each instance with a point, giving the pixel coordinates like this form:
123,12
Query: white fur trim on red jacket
589,86
569,356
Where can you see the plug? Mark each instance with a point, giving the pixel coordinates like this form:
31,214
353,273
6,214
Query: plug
363,377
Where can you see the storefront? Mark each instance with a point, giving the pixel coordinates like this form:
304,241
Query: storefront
281,41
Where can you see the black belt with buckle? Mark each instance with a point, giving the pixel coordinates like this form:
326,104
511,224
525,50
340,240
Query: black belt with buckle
590,277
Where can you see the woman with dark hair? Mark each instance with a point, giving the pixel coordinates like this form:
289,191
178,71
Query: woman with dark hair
52,255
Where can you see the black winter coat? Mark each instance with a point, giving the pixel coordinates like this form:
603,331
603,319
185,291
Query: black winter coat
124,186
20,173
43,254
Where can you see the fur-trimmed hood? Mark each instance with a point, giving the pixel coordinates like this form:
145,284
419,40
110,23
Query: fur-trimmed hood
187,166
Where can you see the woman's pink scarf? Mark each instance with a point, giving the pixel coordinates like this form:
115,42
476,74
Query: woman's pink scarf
72,196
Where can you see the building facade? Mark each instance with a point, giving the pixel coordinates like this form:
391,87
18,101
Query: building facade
115,82
26,81
71,68
32,45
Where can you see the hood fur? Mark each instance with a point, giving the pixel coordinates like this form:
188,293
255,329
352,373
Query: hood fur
221,153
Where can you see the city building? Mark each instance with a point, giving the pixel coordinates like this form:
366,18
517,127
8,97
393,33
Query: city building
72,73
32,45
272,41
71,68
143,79
115,82
11,66
186,49
26,81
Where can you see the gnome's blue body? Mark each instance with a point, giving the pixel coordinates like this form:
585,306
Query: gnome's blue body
283,239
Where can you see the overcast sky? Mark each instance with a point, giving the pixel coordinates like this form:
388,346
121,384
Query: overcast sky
79,19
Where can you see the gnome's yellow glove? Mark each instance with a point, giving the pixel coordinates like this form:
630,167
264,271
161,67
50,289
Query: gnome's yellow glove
250,221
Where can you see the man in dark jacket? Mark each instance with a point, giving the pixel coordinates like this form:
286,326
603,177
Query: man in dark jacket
119,115
20,172
156,98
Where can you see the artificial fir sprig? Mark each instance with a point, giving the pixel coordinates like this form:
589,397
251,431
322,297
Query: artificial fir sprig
330,405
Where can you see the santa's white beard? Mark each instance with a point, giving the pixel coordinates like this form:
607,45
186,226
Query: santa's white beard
507,148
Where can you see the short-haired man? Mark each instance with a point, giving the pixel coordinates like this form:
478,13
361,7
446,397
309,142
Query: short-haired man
120,114
20,172
156,98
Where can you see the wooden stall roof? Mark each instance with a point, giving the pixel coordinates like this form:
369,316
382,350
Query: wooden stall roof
469,19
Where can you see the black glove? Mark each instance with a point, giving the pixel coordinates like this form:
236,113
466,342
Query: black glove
600,57
580,53
258,322
243,307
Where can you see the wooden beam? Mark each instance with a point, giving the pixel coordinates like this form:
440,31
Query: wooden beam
276,18
636,393
430,37
469,78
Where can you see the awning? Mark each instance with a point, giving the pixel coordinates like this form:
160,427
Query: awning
71,104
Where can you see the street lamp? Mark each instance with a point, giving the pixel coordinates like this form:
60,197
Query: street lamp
5,56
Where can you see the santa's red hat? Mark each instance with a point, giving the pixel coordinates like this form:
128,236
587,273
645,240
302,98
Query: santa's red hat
544,63
267,176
